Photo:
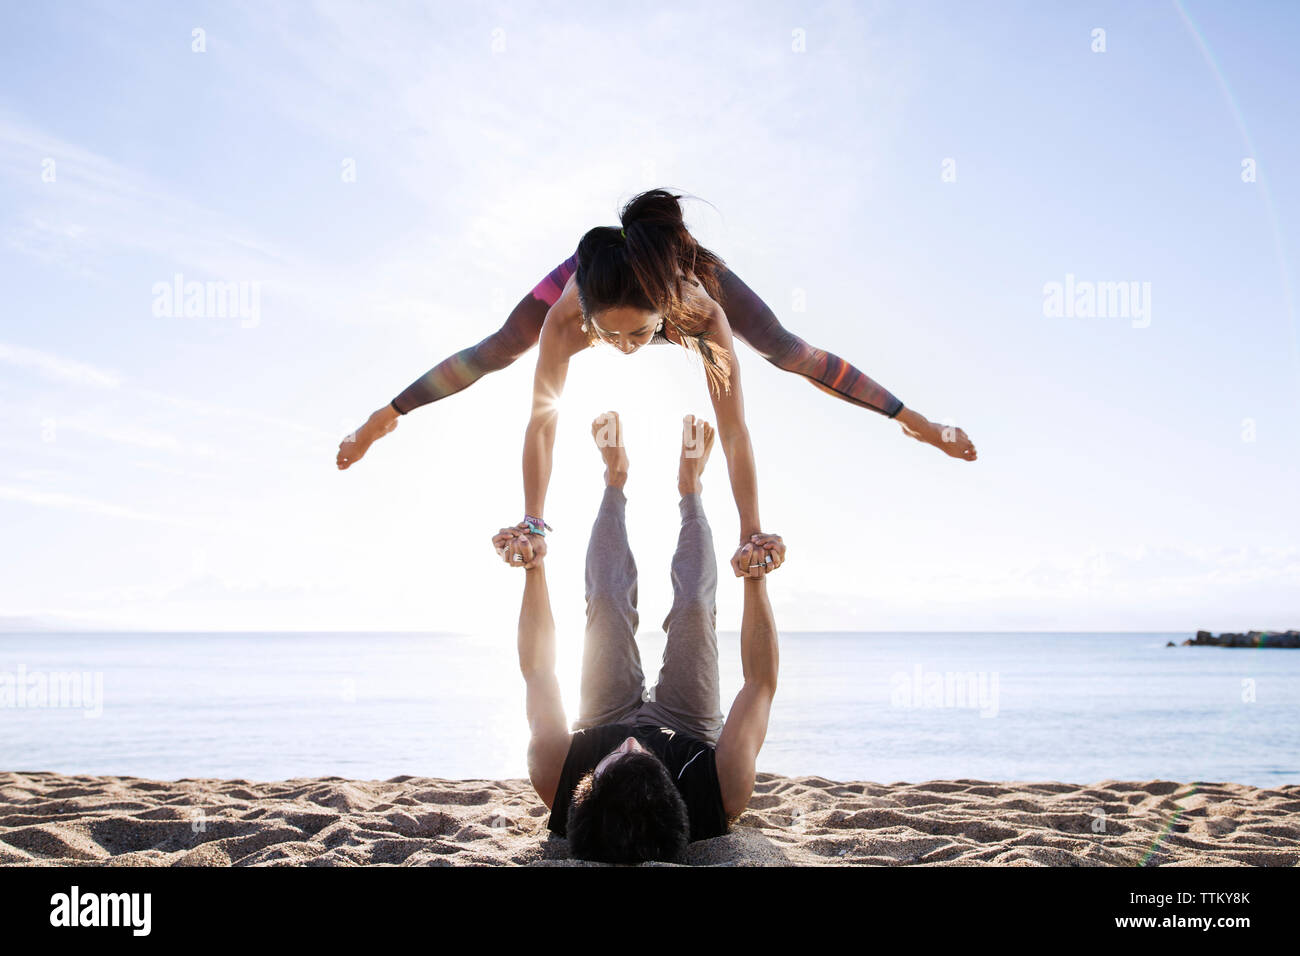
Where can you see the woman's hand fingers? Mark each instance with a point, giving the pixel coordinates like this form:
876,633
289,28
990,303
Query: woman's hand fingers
518,548
508,544
773,550
501,542
516,551
740,560
778,551
533,549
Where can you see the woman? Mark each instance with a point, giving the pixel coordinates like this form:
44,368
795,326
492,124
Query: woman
647,281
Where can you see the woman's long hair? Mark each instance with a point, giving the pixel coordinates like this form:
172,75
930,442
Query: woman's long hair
641,264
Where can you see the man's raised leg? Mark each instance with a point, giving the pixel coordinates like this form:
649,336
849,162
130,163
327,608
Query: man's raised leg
686,697
613,684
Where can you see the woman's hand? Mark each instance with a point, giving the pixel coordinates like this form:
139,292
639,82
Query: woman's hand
353,446
518,548
761,554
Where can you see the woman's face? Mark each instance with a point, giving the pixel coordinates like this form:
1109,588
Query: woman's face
626,328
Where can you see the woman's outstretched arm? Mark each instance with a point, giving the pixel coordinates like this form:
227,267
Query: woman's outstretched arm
561,338
539,438
516,336
733,434
758,327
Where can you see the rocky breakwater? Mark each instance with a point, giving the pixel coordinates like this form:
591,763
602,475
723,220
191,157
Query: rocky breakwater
1249,639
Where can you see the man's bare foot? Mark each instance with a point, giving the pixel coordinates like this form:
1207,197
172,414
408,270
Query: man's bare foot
949,439
697,442
607,431
354,446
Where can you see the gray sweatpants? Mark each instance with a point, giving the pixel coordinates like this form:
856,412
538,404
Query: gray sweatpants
685,698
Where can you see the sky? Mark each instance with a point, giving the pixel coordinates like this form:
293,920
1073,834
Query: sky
904,183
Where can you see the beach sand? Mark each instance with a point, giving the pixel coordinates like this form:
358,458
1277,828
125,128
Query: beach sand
50,819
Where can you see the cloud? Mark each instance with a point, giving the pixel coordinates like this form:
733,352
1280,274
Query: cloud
58,368
96,210
72,371
106,509
55,499
139,436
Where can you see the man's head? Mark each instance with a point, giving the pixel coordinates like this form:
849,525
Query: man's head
628,810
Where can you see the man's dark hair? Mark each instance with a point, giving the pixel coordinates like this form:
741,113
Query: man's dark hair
631,813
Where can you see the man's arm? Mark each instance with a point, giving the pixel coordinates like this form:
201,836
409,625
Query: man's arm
746,727
549,741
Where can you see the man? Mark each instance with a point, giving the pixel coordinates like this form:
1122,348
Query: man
640,776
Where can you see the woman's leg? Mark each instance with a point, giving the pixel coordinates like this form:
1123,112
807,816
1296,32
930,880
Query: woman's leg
758,327
519,334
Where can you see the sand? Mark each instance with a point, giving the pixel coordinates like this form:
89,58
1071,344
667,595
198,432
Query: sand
52,819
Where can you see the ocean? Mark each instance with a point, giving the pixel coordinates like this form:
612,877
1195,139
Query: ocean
885,707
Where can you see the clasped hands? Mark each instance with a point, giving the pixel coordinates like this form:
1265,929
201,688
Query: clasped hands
518,547
760,555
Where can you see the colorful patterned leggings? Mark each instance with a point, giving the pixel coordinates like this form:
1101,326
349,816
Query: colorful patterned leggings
751,321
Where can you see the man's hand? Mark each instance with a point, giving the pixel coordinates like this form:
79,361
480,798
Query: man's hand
518,548
761,554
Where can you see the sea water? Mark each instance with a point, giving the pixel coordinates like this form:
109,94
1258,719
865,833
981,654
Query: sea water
885,707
